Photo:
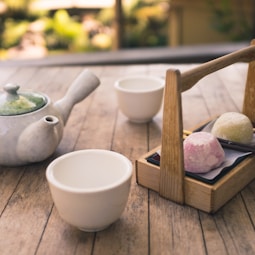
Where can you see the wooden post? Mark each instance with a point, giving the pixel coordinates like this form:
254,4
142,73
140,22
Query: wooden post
171,184
118,25
249,94
175,25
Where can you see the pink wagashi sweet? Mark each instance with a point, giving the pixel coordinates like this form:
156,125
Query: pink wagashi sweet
202,152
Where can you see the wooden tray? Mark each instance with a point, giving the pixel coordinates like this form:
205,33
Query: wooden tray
169,179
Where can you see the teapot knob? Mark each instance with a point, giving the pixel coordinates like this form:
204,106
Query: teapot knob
11,88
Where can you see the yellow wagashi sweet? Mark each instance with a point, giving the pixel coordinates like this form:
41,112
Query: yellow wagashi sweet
233,126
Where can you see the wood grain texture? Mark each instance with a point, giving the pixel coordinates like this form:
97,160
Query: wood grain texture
171,183
190,78
249,94
150,224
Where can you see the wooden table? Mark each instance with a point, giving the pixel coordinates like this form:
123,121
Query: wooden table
29,222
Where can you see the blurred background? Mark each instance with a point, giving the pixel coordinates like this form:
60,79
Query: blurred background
37,28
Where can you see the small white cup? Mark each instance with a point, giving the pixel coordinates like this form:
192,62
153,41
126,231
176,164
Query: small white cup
140,97
90,188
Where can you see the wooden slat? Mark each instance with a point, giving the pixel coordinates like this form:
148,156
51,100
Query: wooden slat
131,140
232,79
214,93
221,230
249,94
181,54
248,195
66,237
180,223
26,213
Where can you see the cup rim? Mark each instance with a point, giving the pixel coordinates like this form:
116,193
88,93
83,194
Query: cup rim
132,77
53,181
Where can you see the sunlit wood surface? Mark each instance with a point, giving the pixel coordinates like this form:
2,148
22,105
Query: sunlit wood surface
29,222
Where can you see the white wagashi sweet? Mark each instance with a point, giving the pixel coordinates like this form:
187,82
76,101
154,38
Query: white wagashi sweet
233,126
202,152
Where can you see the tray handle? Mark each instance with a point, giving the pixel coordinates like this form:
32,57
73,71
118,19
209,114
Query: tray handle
191,77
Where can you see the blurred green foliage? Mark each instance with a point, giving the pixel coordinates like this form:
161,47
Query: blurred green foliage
233,22
13,31
63,32
145,24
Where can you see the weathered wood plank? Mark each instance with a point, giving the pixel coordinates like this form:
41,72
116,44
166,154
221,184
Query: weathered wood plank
248,195
16,186
130,233
60,85
26,213
229,231
5,73
29,222
67,238
170,225
233,78
214,93
97,130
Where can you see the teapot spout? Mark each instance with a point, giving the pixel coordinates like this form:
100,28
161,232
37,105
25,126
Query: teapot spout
82,86
39,140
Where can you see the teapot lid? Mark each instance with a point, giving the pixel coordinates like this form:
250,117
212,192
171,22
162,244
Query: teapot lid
14,103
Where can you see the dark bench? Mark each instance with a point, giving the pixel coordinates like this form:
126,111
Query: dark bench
181,54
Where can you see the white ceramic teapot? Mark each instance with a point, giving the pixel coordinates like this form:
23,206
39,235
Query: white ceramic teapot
31,126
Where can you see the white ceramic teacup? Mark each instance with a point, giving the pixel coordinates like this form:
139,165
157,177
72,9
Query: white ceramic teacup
90,188
140,97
